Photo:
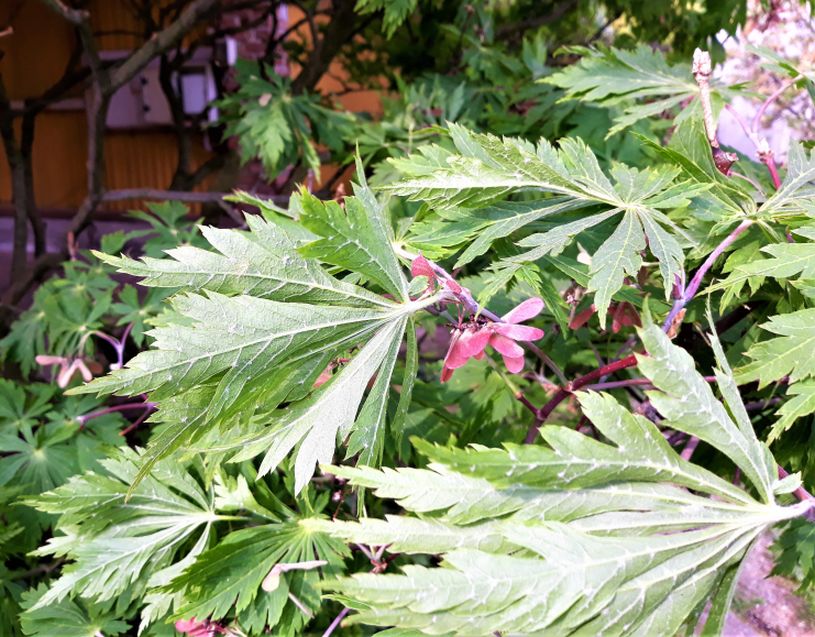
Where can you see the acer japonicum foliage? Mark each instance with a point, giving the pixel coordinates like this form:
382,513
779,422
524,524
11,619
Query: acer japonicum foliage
507,386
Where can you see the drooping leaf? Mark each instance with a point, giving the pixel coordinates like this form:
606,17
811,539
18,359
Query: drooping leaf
580,538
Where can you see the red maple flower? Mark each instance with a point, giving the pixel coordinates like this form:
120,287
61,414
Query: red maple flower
470,341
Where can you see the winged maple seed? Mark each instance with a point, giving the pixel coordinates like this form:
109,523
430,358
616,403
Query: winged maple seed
503,336
68,367
470,340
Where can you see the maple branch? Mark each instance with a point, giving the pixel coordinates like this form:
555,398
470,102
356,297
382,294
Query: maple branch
702,70
774,96
693,286
631,382
337,621
116,408
162,41
137,422
763,151
564,392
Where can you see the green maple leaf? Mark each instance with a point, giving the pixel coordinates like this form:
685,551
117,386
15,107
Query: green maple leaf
786,261
787,354
471,181
619,536
68,618
222,582
116,544
257,318
639,80
24,406
395,12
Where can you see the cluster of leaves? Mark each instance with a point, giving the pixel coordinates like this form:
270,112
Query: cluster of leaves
46,436
277,127
299,341
581,537
152,549
66,311
452,61
42,444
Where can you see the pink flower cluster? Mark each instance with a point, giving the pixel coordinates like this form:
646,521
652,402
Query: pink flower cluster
471,341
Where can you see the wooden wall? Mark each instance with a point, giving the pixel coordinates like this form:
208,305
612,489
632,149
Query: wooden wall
35,56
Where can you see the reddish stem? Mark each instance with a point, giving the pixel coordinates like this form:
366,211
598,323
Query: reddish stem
109,410
768,160
564,392
617,384
138,421
521,398
692,287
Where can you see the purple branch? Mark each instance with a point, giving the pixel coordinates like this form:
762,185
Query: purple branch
768,160
118,344
636,382
149,409
774,96
109,410
333,626
690,447
692,287
750,134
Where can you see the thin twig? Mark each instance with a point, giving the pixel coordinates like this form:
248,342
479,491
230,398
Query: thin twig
702,70
773,96
124,432
337,620
692,287
564,392
689,448
635,382
110,410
